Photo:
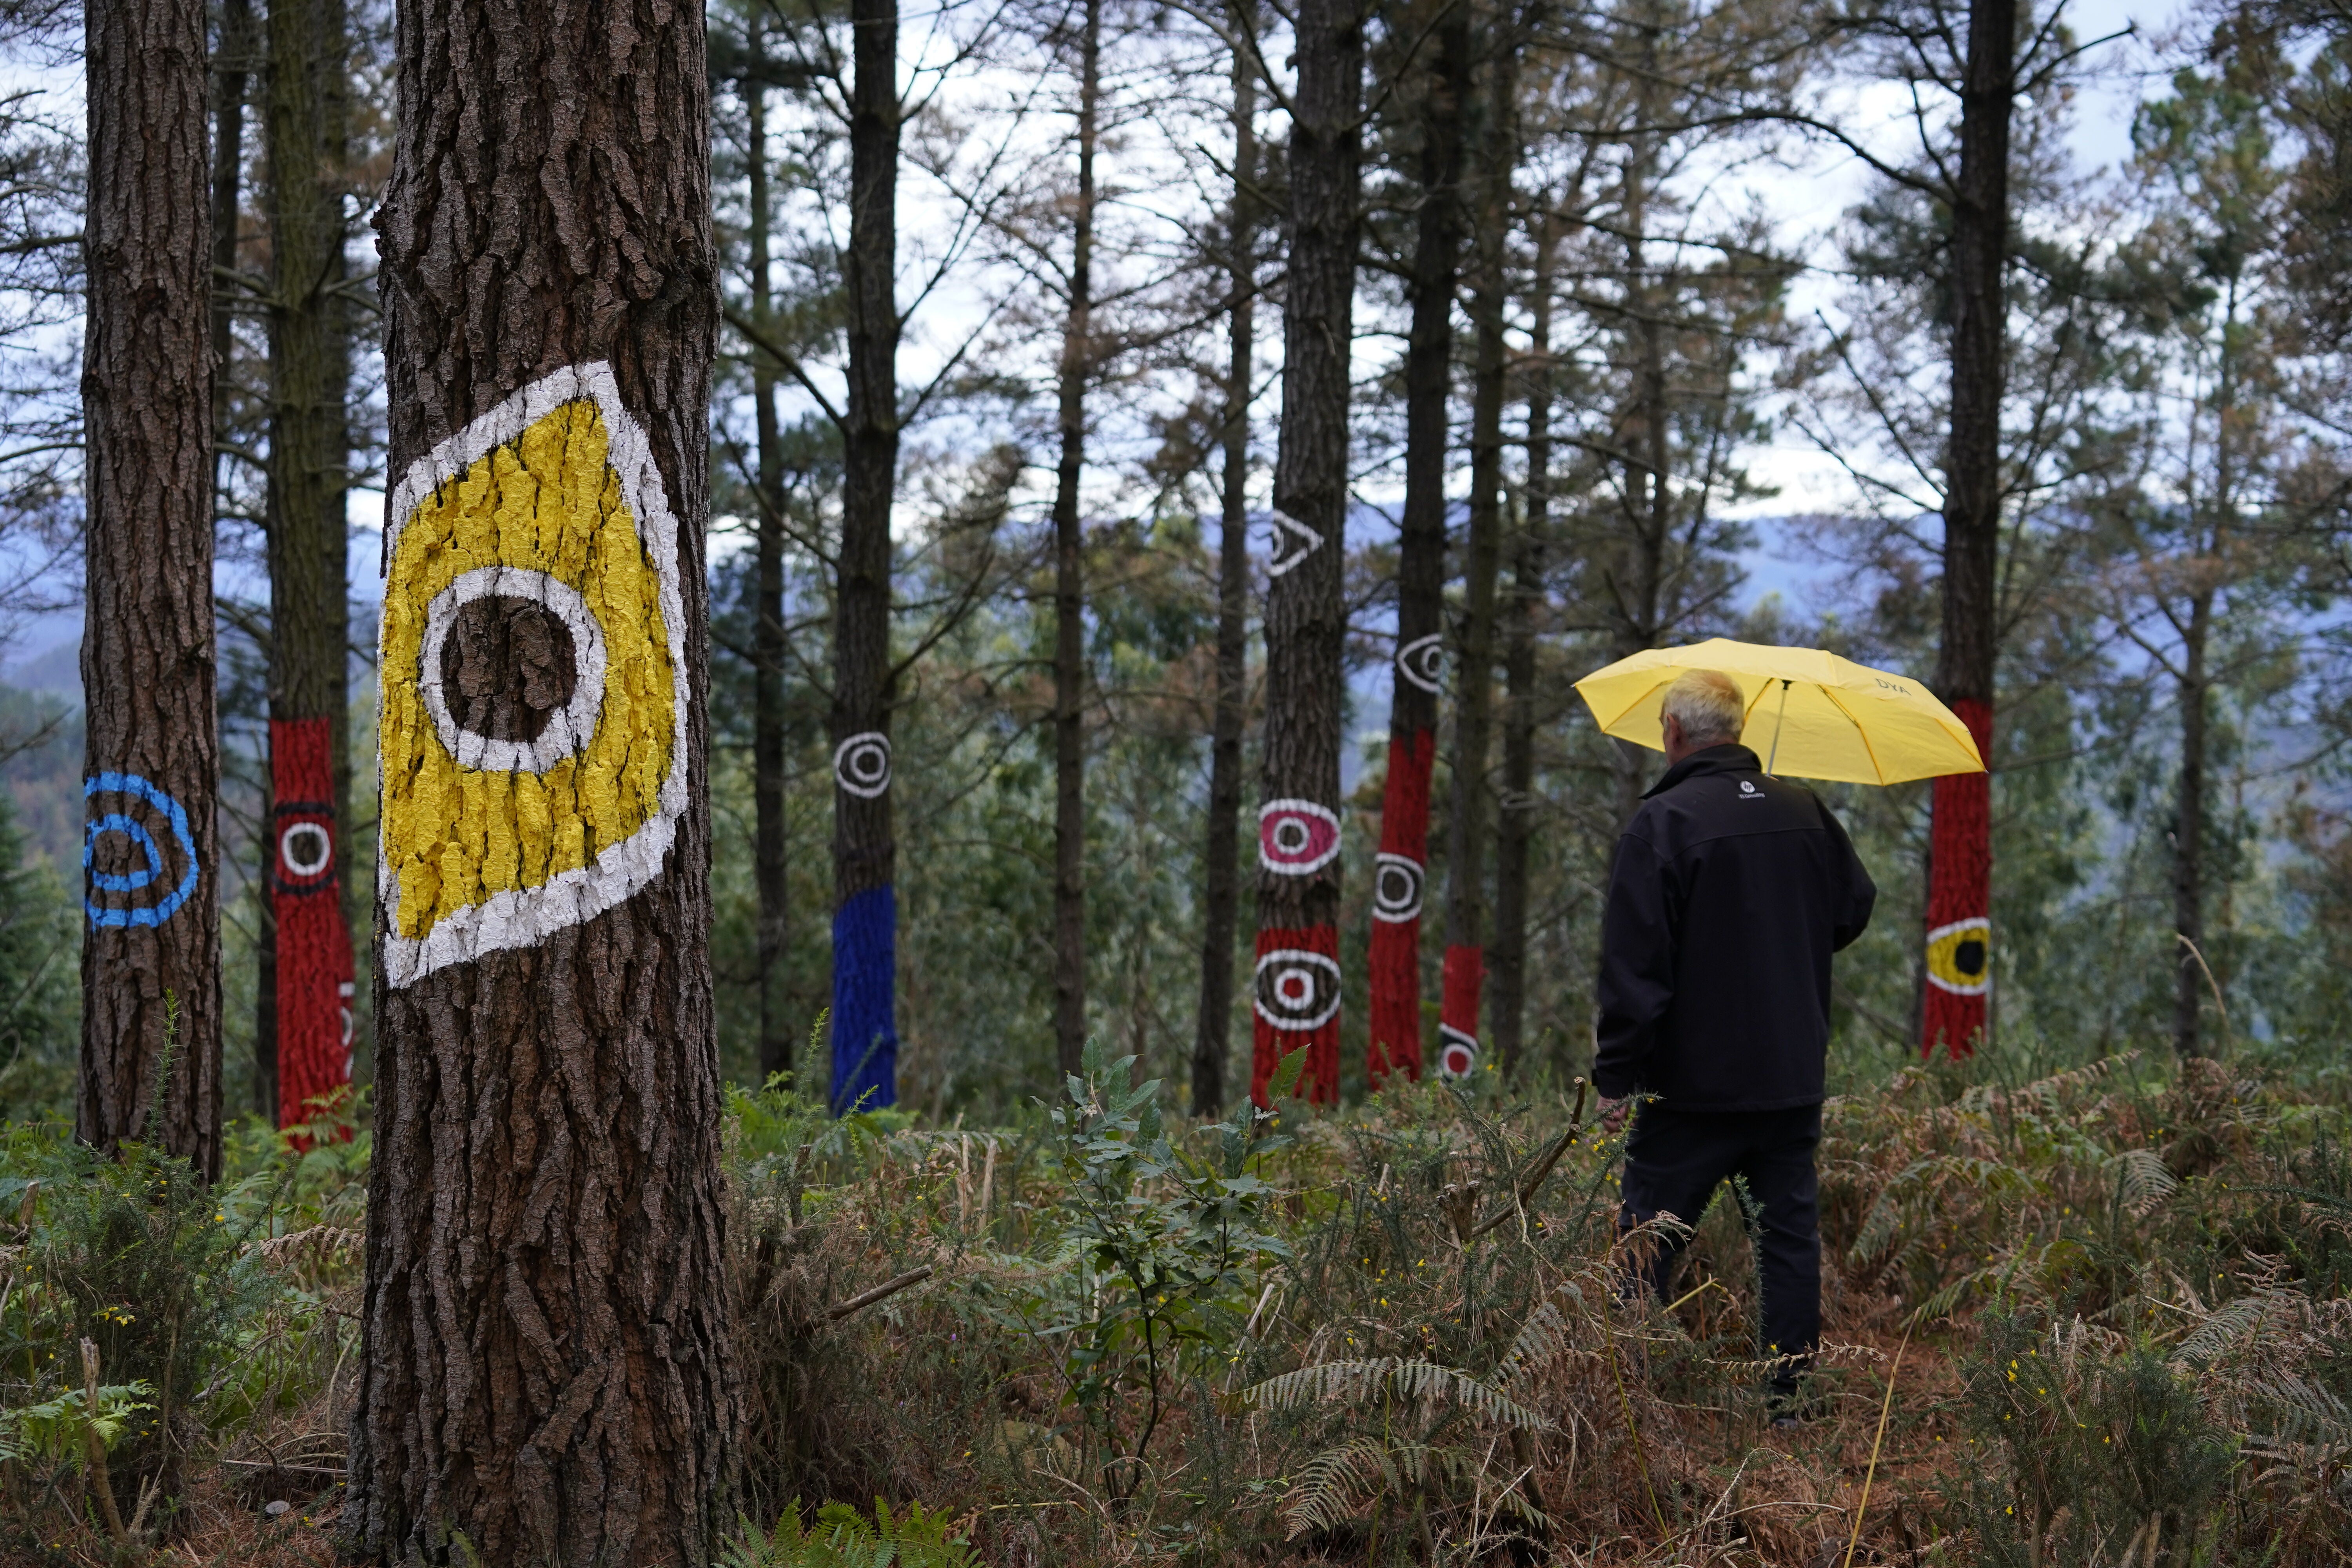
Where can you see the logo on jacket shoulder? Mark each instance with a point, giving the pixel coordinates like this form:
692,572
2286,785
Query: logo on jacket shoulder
1747,789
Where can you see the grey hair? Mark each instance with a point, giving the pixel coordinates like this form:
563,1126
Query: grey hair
1708,706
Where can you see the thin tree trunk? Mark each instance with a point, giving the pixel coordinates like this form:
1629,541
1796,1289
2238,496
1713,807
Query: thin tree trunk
865,855
1515,822
1959,889
1298,977
1069,586
235,45
769,867
2195,688
547,1369
151,960
310,958
1401,873
1222,893
1474,702
2188,832
1644,437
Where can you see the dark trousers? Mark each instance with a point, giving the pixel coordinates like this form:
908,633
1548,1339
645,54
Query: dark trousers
1674,1161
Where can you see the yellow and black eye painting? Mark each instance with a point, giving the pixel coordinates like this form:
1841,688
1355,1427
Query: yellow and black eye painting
532,732
1960,956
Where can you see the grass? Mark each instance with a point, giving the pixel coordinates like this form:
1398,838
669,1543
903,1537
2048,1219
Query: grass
2115,1297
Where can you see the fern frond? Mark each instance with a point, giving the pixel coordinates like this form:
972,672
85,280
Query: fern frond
1407,1381
2143,1181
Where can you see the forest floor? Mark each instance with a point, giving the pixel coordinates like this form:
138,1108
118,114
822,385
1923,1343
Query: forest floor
2095,1318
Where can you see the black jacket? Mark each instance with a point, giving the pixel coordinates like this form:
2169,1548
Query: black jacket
1729,892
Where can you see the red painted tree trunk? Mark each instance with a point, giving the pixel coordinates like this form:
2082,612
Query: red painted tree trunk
1401,872
1959,898
313,971
1960,868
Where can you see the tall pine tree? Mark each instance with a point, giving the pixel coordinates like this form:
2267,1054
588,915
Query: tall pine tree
150,963
546,1367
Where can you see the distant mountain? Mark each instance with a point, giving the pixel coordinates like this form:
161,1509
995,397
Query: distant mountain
40,763
54,672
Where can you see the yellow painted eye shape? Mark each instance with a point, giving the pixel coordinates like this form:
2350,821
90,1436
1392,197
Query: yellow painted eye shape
1960,956
532,734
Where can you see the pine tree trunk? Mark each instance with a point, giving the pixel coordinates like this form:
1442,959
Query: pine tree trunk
546,1367
1474,702
1959,891
2188,832
309,959
1638,591
865,855
769,865
1515,821
150,961
1069,586
1220,892
1297,975
1401,873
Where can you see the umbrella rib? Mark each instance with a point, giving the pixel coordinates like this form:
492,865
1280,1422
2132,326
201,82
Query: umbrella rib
1837,702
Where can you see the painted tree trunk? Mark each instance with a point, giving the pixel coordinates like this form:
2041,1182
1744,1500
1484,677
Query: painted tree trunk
151,960
1297,981
1069,583
1959,888
865,854
769,866
312,974
1458,1049
1515,811
546,1369
1401,873
309,959
1220,891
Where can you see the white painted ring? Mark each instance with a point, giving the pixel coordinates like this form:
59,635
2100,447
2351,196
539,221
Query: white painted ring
570,728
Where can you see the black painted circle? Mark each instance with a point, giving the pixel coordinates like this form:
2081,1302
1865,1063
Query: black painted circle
1969,957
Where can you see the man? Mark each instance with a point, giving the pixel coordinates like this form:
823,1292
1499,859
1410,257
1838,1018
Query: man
1729,892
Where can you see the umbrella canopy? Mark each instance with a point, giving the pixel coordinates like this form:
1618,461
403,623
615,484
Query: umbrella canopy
1809,713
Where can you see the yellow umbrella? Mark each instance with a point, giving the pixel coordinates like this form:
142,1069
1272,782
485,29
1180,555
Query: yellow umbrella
1809,713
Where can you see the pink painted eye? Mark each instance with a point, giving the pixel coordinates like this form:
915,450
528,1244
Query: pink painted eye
1296,837
1297,989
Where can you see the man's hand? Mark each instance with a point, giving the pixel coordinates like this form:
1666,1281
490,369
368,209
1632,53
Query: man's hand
1613,1113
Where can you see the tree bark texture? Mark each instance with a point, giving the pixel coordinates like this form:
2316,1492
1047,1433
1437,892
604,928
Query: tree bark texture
769,864
865,855
309,953
546,1362
1474,704
1297,982
1069,582
1401,872
1516,804
1959,887
150,961
1220,892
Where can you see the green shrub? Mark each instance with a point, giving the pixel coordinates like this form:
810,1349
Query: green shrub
2106,1454
844,1538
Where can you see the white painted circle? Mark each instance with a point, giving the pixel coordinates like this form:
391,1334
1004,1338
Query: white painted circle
298,865
568,728
861,764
